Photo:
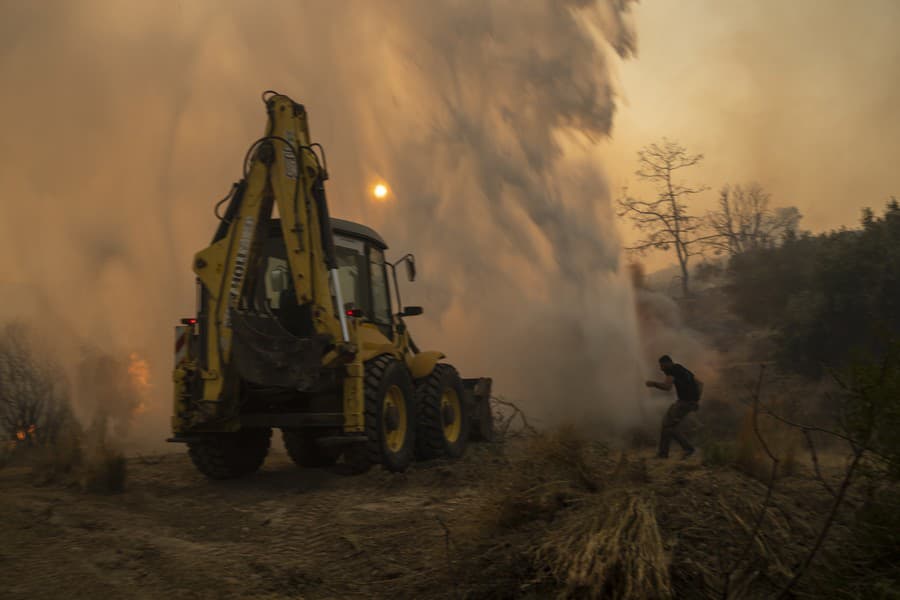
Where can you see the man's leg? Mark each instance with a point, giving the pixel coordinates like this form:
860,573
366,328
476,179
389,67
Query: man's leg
682,441
664,440
665,434
681,411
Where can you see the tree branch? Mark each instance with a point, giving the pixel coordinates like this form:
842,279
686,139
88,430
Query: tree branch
858,452
815,462
770,487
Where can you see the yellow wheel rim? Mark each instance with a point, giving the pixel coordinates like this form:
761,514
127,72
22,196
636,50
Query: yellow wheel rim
394,419
451,415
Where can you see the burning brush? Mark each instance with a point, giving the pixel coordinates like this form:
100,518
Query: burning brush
114,388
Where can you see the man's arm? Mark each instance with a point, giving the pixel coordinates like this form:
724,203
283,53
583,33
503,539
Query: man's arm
664,386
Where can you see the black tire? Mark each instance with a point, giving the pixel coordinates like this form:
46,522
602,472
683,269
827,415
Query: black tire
304,450
443,427
384,374
231,455
356,460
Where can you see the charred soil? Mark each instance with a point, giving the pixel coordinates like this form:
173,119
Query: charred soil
531,518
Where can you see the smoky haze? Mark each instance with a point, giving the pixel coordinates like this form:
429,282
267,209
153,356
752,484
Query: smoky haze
800,96
123,123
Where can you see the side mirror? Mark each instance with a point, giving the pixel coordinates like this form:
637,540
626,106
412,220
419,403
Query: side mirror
279,279
411,267
411,311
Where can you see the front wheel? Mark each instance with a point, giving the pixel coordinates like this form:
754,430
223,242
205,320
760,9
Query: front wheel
443,423
390,417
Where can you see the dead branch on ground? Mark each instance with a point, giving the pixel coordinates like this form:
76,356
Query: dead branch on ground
505,414
451,572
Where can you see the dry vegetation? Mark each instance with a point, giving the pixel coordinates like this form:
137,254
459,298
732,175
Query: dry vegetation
769,508
38,425
616,553
82,459
545,515
569,518
789,500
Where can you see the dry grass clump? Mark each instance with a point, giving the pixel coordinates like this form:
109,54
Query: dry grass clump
750,457
553,471
548,474
58,460
86,460
567,521
861,562
719,454
615,553
104,469
104,472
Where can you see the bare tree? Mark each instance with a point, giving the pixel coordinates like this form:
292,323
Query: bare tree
744,220
665,221
33,395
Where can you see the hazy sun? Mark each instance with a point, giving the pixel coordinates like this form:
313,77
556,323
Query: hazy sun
380,191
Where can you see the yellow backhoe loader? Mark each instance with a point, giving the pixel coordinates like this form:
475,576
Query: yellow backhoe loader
299,326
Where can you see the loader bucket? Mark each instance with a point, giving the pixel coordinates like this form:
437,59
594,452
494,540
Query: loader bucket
478,392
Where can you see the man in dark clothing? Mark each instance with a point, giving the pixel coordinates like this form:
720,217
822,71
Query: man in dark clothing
688,389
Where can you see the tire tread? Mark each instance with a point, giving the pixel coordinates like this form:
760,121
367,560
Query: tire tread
231,455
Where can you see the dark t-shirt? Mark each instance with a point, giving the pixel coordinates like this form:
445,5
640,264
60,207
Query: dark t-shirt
685,385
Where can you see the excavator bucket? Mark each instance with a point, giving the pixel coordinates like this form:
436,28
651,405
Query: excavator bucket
478,391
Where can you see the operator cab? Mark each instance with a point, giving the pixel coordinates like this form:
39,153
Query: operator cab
362,273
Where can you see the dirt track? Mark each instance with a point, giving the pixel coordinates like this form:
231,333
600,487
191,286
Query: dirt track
290,533
281,533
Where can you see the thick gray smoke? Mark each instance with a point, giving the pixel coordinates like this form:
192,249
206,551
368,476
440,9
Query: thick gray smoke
124,122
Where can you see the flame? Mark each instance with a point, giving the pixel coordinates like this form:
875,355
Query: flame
27,432
139,372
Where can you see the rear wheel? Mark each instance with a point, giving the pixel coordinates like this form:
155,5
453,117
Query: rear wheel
304,450
390,420
230,455
443,423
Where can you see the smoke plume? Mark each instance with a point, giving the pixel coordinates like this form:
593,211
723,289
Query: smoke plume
124,122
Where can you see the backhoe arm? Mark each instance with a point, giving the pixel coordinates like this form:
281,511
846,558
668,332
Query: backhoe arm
284,171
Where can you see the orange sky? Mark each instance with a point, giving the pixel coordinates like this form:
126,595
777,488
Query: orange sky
802,96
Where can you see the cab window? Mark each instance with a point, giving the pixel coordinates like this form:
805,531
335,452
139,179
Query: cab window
381,305
352,272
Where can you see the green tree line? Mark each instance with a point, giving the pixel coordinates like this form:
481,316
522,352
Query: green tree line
833,298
